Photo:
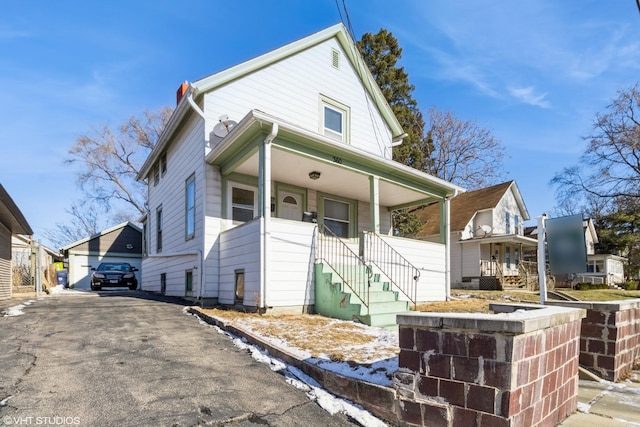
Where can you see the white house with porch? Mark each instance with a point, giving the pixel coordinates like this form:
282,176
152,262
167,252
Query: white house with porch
274,178
487,238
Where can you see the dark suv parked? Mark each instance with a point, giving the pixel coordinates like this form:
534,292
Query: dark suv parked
112,274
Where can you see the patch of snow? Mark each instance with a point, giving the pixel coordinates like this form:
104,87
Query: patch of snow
298,379
584,407
16,310
59,289
4,401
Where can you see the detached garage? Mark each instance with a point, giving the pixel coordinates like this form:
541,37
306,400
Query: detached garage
121,243
11,222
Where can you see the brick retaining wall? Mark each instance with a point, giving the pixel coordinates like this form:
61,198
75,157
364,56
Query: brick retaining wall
609,337
508,369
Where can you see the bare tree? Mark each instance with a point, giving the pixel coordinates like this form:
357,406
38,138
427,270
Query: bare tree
610,166
86,222
463,152
109,161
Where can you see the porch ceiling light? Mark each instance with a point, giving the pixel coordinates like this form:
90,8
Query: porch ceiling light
314,175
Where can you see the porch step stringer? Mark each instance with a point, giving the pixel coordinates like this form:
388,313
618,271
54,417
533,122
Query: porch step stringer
334,299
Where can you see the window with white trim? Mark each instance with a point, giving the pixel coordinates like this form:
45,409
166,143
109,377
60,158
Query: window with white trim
190,207
334,119
159,229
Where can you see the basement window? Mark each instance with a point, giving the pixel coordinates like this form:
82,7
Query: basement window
239,294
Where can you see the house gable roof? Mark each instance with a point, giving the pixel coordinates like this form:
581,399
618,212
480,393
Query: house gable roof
337,31
11,216
465,206
102,233
213,81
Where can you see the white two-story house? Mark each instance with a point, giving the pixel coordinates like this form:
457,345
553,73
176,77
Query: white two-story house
487,238
274,175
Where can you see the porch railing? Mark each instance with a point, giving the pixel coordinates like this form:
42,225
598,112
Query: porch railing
345,263
402,274
492,269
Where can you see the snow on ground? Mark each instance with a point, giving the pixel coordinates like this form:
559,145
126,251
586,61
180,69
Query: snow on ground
302,381
16,310
374,362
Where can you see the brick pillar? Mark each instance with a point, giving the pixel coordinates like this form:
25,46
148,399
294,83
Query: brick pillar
609,337
508,369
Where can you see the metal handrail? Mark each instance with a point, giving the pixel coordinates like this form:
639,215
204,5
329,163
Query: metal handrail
400,271
352,270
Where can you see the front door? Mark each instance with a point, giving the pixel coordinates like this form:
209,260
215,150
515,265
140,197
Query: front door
290,205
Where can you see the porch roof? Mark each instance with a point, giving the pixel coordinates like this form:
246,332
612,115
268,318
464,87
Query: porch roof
344,170
505,238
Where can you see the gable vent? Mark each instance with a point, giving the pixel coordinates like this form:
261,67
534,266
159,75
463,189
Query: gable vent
335,58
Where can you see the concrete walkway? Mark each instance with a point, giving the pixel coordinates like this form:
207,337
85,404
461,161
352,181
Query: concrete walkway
605,403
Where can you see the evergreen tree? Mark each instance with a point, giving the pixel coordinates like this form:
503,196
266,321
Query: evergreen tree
381,52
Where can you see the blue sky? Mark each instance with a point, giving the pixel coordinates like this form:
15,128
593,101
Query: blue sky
535,72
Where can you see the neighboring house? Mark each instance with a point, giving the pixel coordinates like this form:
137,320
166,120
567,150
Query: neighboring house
254,156
487,237
12,222
601,268
24,252
120,243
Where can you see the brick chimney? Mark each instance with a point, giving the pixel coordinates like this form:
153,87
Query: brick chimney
182,90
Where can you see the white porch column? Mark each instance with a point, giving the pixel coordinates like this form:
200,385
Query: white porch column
374,203
445,238
264,208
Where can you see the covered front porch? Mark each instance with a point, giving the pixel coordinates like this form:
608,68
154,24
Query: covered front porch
501,264
293,199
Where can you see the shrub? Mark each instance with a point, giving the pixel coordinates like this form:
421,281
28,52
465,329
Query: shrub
629,286
587,286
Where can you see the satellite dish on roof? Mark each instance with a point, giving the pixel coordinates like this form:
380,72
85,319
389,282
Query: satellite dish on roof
487,229
223,128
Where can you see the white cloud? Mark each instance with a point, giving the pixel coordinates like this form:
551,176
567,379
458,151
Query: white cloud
528,95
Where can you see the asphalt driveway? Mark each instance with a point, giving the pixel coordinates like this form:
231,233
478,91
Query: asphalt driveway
125,358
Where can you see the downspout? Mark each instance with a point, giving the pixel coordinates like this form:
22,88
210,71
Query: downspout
193,104
266,212
197,109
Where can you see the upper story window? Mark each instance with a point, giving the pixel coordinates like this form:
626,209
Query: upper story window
190,207
156,175
159,229
163,164
507,223
335,118
516,224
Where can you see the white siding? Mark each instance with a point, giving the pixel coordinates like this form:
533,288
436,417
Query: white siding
212,229
509,204
291,89
480,219
429,258
5,262
364,218
456,258
240,250
470,259
184,158
291,261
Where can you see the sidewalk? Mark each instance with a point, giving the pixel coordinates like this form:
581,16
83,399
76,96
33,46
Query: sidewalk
607,403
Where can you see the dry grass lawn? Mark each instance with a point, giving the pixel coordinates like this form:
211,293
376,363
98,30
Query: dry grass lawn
316,335
338,340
